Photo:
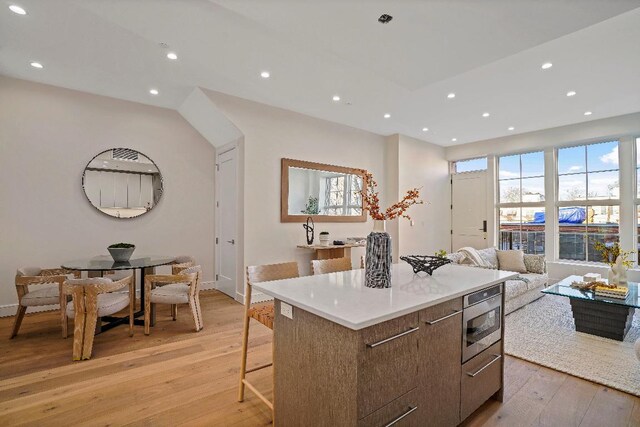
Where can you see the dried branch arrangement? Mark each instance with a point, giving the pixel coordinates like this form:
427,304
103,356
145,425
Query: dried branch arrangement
371,198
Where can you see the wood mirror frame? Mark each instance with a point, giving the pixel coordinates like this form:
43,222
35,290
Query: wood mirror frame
284,192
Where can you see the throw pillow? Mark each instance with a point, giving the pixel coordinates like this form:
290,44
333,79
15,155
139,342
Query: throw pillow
535,263
511,261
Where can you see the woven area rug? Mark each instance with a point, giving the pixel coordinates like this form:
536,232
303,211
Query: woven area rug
543,333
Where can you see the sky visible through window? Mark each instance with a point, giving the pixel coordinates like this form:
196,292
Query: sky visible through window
471,165
591,169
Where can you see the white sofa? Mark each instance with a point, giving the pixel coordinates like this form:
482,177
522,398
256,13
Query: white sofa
521,292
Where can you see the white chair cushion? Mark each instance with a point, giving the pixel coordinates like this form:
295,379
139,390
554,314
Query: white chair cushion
174,293
108,304
41,296
29,271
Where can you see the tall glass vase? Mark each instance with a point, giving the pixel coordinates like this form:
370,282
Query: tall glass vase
378,260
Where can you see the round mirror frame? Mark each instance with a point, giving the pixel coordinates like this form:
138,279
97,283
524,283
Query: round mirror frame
84,190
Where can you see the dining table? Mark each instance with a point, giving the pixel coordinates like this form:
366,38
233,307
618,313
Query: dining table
106,263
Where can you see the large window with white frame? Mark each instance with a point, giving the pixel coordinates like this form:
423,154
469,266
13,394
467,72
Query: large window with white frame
521,212
588,199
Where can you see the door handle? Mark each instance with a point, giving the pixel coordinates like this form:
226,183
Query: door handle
232,241
484,226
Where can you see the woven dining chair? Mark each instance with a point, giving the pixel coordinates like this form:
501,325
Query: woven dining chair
28,278
174,289
333,265
92,299
263,313
181,262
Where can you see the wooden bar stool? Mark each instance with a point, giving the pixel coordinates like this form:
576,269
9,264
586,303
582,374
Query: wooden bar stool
334,265
263,313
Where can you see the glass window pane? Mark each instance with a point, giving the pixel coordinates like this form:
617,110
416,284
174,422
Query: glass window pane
572,230
471,165
509,167
572,187
603,156
571,160
603,227
532,234
533,190
604,185
510,191
532,164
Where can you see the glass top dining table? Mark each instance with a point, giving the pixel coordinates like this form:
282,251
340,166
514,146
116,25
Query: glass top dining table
106,263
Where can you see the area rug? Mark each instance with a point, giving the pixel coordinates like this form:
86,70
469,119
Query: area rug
543,332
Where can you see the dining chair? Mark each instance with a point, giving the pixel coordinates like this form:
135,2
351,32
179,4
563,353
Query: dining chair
181,262
333,265
92,299
263,313
28,277
174,289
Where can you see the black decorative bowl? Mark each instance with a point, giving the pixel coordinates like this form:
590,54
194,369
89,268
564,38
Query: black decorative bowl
425,263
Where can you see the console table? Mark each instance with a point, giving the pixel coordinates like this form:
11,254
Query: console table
332,251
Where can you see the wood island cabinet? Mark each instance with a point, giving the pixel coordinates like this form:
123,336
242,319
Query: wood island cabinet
439,356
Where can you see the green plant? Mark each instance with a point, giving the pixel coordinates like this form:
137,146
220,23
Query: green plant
441,253
122,245
312,206
611,252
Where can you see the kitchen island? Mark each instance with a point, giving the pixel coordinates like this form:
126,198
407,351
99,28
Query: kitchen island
348,355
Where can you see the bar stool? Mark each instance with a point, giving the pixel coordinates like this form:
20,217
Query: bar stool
263,313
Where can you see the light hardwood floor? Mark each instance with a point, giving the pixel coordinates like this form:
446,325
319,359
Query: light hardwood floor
178,377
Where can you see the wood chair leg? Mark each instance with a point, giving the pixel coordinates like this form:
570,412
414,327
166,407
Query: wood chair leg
18,320
199,310
147,315
78,334
63,314
90,322
194,312
243,361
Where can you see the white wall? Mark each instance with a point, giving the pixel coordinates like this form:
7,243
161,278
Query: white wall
424,166
47,136
269,135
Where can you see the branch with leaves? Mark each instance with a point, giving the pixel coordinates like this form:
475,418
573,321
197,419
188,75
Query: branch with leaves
371,198
611,252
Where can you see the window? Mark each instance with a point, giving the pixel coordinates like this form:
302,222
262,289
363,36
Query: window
588,199
343,195
521,202
471,165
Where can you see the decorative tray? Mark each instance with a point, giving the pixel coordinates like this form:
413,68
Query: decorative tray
425,263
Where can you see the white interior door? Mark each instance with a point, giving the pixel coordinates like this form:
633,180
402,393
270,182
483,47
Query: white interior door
469,210
226,213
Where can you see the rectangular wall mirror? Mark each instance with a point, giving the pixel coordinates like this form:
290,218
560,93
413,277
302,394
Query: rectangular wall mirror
326,193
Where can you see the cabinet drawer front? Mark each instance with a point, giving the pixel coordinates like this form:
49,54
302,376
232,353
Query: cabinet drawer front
387,362
481,378
402,412
439,313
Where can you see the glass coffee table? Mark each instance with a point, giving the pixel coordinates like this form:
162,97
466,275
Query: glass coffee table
602,316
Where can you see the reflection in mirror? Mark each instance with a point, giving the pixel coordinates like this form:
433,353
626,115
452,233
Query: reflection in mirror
318,192
122,183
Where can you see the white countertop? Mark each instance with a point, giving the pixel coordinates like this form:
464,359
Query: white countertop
343,298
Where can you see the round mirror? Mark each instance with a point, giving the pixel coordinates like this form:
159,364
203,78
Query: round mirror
122,183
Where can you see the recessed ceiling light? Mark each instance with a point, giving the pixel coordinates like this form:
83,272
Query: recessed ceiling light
485,114
571,93
17,9
153,91
36,65
511,128
265,74
172,55
587,113
425,129
451,95
336,98
454,139
149,170
547,65
387,115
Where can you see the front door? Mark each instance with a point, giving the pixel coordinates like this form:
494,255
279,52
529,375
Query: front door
226,213
469,210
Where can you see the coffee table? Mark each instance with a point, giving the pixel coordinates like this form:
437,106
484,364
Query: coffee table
605,317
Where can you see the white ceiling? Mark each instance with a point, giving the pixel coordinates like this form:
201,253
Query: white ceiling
488,52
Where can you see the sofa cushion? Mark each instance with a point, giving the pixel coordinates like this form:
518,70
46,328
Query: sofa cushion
514,288
535,281
512,260
490,256
535,263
